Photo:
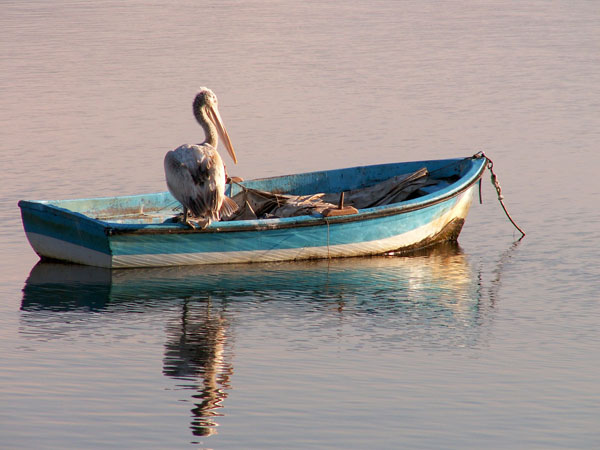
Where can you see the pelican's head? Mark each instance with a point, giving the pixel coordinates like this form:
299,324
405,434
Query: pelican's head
206,101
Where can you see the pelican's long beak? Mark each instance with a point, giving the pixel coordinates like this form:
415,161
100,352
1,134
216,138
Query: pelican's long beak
214,115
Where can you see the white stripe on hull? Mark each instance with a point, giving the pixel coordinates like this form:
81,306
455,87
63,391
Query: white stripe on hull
50,247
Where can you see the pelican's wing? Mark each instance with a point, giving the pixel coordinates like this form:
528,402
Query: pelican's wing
192,177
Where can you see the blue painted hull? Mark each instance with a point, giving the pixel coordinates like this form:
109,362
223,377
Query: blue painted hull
135,231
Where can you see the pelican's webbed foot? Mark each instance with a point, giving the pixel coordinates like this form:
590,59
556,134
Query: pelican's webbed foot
200,223
185,218
203,223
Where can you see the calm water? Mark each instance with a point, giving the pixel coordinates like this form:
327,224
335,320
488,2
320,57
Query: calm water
489,343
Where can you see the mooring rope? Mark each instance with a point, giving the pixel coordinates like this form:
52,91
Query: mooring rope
496,184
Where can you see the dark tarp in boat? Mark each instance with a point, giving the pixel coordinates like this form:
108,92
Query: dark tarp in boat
257,204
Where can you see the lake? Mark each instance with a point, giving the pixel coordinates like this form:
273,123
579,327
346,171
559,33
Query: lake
491,342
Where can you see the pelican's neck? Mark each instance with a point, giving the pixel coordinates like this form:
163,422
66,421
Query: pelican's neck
210,131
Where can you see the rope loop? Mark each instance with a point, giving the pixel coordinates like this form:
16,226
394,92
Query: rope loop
496,184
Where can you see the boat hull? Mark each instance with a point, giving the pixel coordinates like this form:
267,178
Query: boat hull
56,233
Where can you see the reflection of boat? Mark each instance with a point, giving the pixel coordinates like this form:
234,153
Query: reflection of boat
431,288
54,285
390,207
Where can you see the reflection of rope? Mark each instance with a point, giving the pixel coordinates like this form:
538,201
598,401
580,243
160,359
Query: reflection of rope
494,179
328,255
495,283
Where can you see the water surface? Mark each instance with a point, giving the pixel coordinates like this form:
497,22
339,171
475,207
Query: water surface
490,342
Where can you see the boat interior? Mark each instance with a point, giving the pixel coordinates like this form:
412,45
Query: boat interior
259,204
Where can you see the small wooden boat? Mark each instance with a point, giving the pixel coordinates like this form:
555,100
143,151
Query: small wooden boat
356,211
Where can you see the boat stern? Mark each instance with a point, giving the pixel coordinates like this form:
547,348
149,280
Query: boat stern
58,234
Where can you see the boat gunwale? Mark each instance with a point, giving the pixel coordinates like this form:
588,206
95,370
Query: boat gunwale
111,228
308,220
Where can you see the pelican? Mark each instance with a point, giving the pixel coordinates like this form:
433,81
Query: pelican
195,173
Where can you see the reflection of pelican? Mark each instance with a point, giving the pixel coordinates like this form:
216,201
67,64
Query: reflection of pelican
195,174
195,351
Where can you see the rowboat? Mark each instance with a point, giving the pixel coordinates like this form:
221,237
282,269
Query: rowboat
356,211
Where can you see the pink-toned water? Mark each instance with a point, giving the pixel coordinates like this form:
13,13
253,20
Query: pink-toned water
490,344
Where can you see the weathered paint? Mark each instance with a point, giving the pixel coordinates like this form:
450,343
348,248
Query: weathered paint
63,230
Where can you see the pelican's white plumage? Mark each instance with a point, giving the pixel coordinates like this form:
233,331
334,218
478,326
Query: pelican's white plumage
195,173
